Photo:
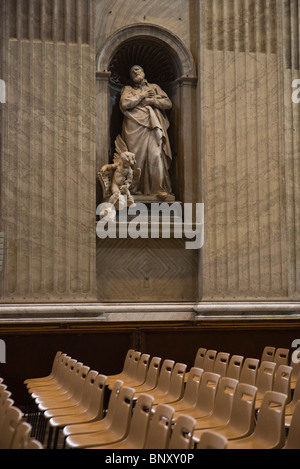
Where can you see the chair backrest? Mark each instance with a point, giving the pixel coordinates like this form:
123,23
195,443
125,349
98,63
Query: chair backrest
296,391
165,376
140,421
127,361
142,368
249,371
159,428
133,365
5,403
224,398
112,403
221,363
153,373
235,366
270,421
97,393
192,386
295,364
268,354
11,420
21,436
199,357
77,383
265,377
207,392
182,433
87,389
242,418
209,360
212,440
122,415
293,440
55,363
282,380
281,356
176,387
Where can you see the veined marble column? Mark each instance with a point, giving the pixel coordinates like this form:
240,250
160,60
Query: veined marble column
48,151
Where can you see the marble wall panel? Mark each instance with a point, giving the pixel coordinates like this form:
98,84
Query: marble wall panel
245,254
48,152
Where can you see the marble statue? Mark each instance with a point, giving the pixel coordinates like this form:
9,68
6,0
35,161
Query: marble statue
144,131
120,179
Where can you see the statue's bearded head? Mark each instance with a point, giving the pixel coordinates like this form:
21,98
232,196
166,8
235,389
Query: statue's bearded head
137,74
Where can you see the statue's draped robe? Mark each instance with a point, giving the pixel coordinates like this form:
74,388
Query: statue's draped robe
145,134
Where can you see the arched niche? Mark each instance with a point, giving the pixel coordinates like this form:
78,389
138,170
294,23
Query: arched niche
167,62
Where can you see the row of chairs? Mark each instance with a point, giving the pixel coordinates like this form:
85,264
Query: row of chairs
15,432
72,393
169,384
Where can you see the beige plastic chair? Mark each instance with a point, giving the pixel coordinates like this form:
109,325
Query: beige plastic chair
269,431
189,399
282,381
249,371
235,366
221,413
48,378
59,384
212,440
56,380
182,433
5,403
98,425
11,420
131,370
290,406
242,417
159,428
281,356
268,354
118,429
205,398
221,363
295,364
138,428
175,389
199,358
163,382
89,408
209,360
21,435
293,437
151,377
122,375
34,444
198,361
70,380
73,393
141,372
264,380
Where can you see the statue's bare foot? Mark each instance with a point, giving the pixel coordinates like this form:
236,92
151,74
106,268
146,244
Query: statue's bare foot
161,195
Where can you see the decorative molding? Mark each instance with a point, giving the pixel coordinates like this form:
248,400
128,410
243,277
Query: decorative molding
190,313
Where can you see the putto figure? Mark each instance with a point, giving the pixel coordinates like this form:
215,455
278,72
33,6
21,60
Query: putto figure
144,131
120,179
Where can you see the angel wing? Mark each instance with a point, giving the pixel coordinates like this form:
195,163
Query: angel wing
120,147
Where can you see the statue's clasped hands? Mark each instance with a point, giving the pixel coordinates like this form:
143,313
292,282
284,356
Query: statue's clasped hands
148,97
